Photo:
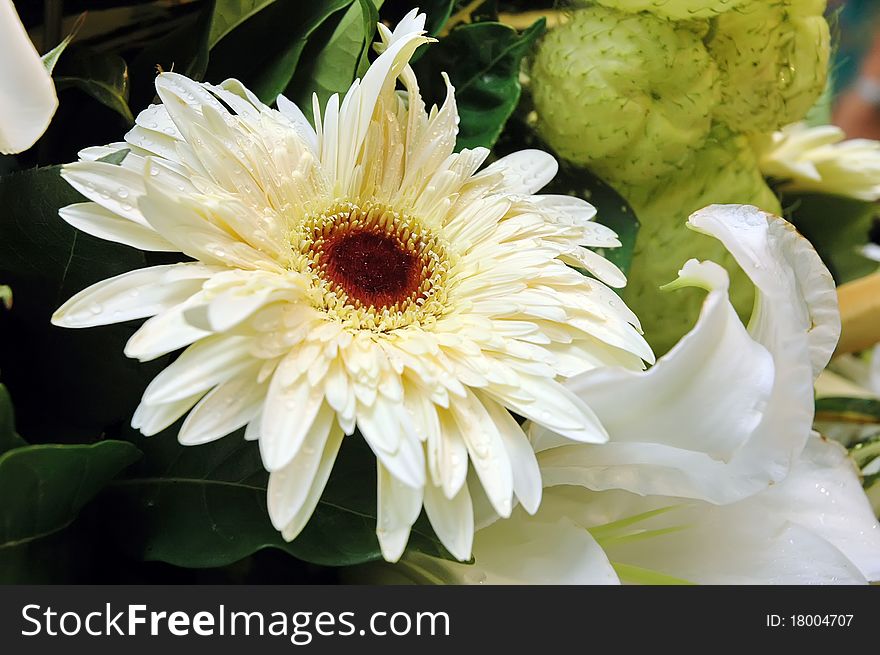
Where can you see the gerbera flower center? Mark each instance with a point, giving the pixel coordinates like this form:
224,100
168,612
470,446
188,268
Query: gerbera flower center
374,268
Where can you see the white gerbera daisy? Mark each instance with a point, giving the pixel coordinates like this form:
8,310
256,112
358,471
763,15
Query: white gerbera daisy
359,275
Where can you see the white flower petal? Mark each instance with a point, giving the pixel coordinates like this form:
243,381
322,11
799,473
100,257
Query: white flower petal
223,410
200,367
523,172
389,431
786,271
689,433
316,489
27,93
152,419
289,485
824,495
288,414
399,506
93,219
452,519
165,333
524,464
116,188
136,294
486,449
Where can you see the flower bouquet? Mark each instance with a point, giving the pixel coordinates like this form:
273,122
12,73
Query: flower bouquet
467,292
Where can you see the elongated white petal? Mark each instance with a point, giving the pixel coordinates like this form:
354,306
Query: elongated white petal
93,219
487,452
556,408
136,294
152,419
288,415
199,368
524,465
289,486
164,333
328,458
452,519
524,172
223,410
403,457
398,508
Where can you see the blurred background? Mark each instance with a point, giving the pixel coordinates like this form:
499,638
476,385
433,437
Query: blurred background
856,71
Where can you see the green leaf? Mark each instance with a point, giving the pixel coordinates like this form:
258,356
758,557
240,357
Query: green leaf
115,157
847,420
5,296
865,452
51,57
837,227
78,380
329,65
42,490
264,50
9,439
205,506
370,16
642,576
437,13
43,487
103,76
483,62
861,411
229,14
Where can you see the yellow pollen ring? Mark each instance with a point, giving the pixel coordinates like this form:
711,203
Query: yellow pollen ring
373,268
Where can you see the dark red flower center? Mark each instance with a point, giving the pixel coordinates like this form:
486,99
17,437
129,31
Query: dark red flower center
372,268
375,259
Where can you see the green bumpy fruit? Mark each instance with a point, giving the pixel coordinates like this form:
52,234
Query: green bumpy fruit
773,60
629,95
676,9
724,171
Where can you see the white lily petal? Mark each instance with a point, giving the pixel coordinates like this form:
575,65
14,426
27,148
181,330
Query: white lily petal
690,432
786,271
27,93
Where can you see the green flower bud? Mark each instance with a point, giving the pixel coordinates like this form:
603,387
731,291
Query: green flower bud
622,92
676,9
773,58
724,171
